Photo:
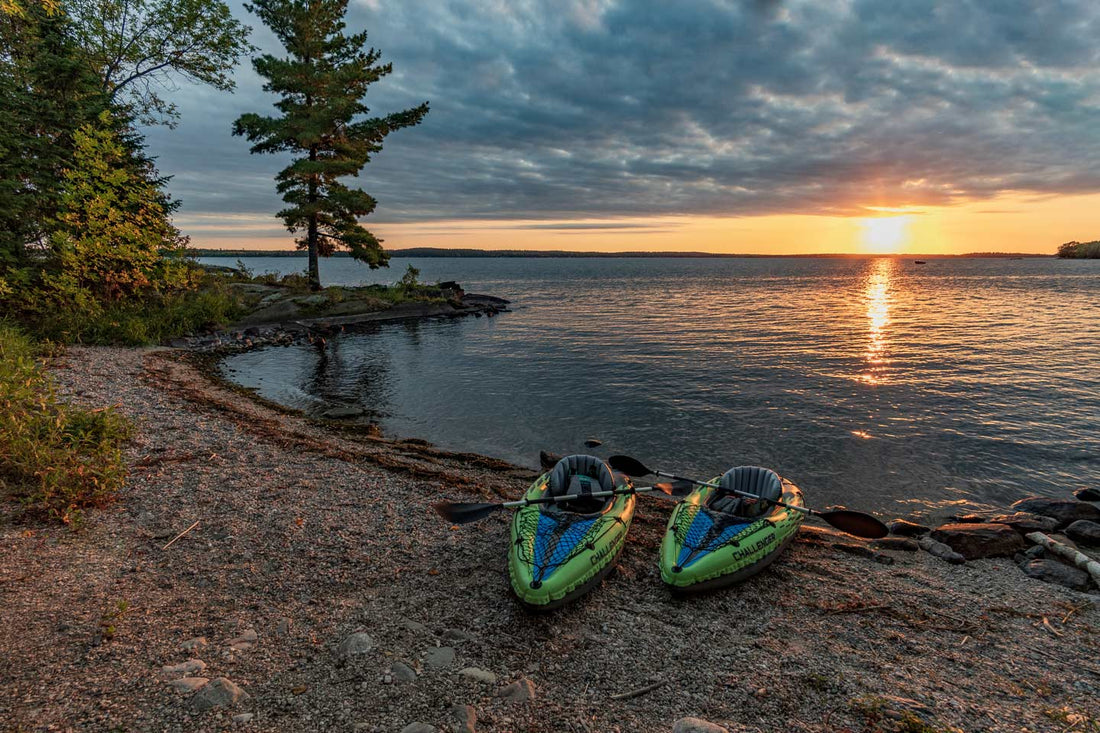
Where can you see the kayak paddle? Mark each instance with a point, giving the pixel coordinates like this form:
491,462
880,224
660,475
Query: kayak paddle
846,520
465,513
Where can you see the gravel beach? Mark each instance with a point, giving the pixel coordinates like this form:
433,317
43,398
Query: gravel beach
318,591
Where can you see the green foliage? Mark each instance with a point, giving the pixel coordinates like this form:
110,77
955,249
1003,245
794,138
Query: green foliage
1080,250
139,46
321,85
56,458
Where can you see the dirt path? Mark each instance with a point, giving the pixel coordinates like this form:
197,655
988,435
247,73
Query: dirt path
307,536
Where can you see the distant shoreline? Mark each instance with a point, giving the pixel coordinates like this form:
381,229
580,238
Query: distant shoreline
521,253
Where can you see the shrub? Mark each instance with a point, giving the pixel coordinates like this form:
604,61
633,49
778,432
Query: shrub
56,458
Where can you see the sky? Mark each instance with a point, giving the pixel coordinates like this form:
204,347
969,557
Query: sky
754,126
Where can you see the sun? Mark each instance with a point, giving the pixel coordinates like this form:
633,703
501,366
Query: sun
885,234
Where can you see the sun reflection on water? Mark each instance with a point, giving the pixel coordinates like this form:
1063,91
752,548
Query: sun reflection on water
877,295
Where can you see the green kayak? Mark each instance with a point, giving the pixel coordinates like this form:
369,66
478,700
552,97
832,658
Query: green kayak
561,550
716,538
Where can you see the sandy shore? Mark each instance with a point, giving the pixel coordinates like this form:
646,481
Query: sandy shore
307,535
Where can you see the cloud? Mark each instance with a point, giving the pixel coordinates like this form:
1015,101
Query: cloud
583,109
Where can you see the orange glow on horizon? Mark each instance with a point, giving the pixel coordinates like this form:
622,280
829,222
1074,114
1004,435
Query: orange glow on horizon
885,235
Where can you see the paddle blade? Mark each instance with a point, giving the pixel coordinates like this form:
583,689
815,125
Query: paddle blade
459,513
675,489
629,466
855,523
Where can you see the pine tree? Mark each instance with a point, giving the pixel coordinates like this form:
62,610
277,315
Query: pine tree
322,84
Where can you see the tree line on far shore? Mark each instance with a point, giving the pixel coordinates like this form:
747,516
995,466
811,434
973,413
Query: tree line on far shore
1080,250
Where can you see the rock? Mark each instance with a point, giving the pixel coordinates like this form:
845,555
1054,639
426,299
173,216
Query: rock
419,728
283,627
1052,571
218,693
940,550
1084,531
696,725
975,541
904,544
1066,511
188,684
465,718
906,528
439,656
402,672
1035,552
185,669
478,675
518,691
194,644
245,641
970,519
243,718
1087,494
455,635
343,413
1024,522
355,645
415,626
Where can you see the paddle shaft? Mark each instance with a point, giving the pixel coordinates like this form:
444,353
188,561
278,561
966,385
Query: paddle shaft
804,510
570,497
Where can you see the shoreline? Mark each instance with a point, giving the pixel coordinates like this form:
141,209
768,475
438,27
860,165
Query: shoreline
308,534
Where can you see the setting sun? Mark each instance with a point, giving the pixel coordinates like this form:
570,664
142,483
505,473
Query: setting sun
885,234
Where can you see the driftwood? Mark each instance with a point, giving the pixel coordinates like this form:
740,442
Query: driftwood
940,550
181,534
640,691
1080,559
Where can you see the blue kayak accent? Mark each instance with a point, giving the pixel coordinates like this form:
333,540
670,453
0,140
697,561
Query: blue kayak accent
550,555
700,526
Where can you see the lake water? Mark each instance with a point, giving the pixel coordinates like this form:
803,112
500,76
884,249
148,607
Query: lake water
876,383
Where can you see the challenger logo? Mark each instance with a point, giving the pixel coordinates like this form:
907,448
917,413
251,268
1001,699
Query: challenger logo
743,552
597,557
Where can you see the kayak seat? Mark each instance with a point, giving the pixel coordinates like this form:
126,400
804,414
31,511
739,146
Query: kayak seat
580,474
763,482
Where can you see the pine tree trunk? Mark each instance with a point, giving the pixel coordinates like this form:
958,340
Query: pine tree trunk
314,268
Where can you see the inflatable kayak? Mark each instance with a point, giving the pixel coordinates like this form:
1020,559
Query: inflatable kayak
716,538
559,551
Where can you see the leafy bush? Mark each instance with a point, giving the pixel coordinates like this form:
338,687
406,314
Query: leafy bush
1080,250
56,458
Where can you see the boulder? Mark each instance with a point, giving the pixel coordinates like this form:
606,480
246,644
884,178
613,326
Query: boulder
1084,532
906,528
1052,571
218,693
970,519
940,550
1066,511
1087,494
1024,522
696,725
975,541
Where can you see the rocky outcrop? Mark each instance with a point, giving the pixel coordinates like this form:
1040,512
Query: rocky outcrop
976,541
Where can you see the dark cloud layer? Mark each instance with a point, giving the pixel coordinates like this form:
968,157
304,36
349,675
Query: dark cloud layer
560,109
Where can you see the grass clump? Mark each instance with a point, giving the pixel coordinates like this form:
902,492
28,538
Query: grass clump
55,458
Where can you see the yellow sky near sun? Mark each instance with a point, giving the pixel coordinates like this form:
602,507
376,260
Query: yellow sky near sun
1009,223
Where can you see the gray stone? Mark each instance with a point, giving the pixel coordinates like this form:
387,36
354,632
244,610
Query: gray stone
439,656
455,635
1084,531
905,528
976,541
188,684
519,691
343,413
465,718
355,645
415,627
1035,552
194,644
1087,494
1066,511
283,627
1052,571
245,641
184,669
478,675
696,725
1024,522
243,718
402,672
218,693
940,550
903,544
419,728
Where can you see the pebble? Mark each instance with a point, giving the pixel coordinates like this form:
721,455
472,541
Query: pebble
402,672
455,635
188,684
193,644
218,693
518,691
415,626
283,627
419,728
355,645
478,675
1084,531
185,669
465,718
245,641
439,656
243,718
696,725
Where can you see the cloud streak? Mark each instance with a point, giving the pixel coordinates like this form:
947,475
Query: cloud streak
585,109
